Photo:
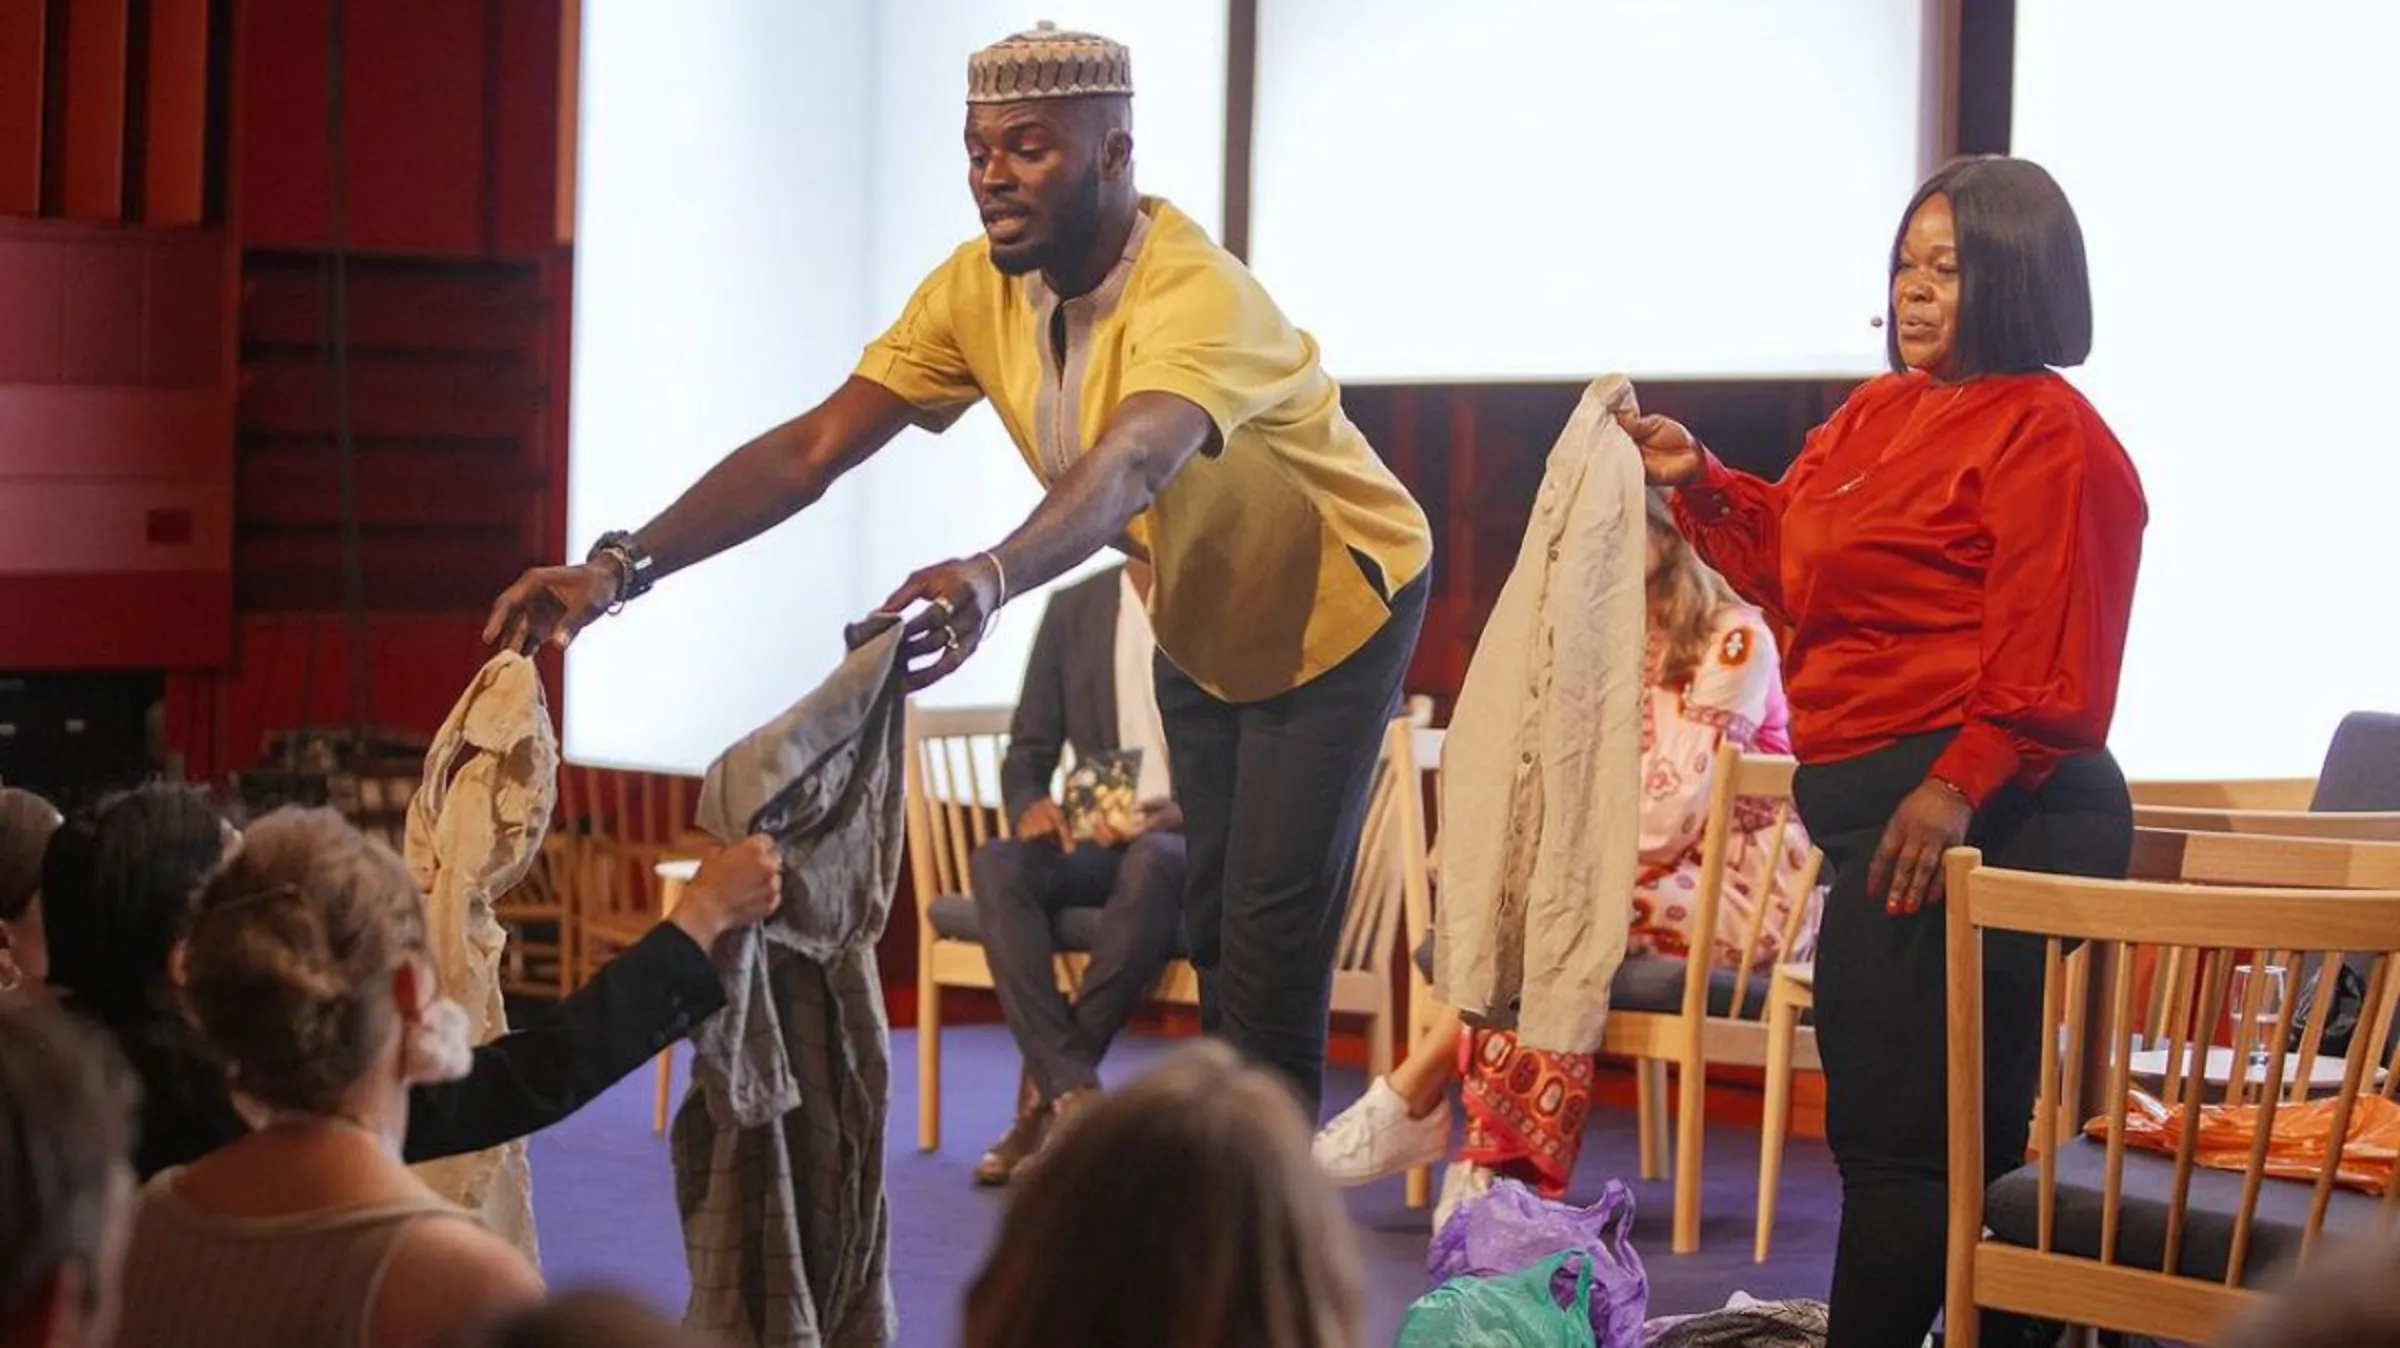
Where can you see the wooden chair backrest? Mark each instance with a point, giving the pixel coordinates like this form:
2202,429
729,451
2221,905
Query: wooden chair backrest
2210,930
2356,825
1390,874
1743,776
953,794
1417,752
2238,793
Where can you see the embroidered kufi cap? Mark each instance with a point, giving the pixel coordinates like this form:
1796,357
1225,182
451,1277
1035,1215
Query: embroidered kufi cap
1044,62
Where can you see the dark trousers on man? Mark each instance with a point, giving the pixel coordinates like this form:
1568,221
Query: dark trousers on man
1274,795
1881,1029
1021,888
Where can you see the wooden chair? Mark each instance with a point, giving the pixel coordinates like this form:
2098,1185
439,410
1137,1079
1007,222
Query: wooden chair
1791,994
539,917
1418,756
672,877
1689,1014
2354,825
2094,1233
954,807
2241,793
649,824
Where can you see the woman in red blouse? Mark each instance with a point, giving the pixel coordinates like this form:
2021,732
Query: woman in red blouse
1951,561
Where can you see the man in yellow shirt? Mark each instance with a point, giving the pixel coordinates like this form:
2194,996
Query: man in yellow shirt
1169,408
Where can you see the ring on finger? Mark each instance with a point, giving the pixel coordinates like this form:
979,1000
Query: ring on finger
942,606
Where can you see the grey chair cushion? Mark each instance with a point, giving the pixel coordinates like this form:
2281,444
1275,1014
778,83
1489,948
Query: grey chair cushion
2012,1209
2362,765
1655,983
955,919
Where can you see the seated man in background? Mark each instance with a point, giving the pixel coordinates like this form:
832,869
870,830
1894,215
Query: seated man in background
1087,686
66,1123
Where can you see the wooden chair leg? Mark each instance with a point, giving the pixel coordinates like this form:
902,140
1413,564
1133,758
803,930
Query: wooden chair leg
1691,1115
666,1087
1783,1021
1650,1115
929,1055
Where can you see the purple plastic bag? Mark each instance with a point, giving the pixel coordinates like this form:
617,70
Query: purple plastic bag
1511,1228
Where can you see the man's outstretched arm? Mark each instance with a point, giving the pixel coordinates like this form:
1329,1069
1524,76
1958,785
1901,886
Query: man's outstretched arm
1149,439
748,492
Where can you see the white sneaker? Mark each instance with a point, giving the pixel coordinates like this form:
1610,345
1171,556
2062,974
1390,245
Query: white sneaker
1460,1181
1375,1138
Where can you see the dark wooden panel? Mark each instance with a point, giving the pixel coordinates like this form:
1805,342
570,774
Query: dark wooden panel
22,43
33,300
101,337
428,400
435,570
395,306
415,485
92,173
175,122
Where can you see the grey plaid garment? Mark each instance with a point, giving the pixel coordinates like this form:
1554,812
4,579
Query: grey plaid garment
778,1150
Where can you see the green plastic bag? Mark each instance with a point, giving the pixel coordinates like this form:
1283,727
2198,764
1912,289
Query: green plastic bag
1514,1310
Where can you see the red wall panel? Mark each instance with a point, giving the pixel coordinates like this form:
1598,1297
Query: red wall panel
525,177
101,342
33,296
286,670
93,172
22,40
416,77
108,620
175,131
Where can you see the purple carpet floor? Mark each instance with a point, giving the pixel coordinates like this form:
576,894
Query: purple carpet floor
605,1199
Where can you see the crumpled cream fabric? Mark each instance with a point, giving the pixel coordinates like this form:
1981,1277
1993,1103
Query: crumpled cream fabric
474,830
1541,770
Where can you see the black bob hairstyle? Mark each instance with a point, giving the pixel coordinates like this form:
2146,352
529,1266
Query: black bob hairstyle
2024,293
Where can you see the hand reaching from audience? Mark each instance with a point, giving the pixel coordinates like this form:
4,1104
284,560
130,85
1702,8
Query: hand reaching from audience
1671,454
1044,821
737,886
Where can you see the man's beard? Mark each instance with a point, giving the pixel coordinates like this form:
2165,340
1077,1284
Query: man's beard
1074,223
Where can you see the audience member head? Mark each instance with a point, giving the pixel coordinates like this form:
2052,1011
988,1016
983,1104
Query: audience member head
119,885
1686,595
1181,1212
2348,1296
26,823
66,1123
1988,274
590,1319
308,972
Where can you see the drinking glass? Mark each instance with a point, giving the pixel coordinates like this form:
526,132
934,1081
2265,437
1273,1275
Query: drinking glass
2269,1008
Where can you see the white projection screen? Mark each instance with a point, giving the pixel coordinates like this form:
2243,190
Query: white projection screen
1531,189
2222,161
761,183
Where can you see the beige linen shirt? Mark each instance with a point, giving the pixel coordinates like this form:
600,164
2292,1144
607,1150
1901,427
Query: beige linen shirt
1541,771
